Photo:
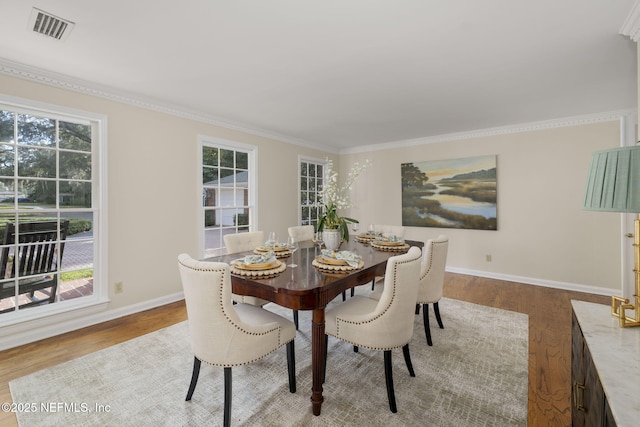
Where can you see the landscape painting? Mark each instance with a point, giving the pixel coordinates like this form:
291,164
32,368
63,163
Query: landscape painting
454,193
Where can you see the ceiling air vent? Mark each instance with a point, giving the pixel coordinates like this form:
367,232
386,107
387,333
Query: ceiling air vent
49,25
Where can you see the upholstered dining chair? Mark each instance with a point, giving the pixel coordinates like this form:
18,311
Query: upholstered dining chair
301,232
382,324
386,230
434,261
227,335
241,242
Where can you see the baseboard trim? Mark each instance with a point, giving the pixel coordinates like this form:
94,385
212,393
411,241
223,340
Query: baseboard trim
49,327
533,281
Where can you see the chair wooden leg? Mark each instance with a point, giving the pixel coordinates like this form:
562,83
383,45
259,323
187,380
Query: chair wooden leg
436,309
407,360
373,284
295,318
344,294
227,397
194,377
291,365
388,376
417,308
425,319
54,291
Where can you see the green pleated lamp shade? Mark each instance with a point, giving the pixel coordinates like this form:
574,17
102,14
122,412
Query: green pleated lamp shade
614,181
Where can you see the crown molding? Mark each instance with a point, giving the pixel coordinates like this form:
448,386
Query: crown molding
631,25
60,81
503,130
25,72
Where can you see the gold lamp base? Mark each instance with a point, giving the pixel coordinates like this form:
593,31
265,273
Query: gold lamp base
619,306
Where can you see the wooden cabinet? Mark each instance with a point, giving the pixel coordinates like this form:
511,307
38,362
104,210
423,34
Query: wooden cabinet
589,406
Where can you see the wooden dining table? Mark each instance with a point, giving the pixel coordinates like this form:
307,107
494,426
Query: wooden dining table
304,287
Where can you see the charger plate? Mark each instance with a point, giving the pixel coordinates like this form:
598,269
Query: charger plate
264,271
331,261
279,252
258,266
390,246
365,237
333,268
274,248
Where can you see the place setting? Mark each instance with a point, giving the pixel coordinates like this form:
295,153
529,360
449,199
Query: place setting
264,266
331,261
366,237
391,243
279,249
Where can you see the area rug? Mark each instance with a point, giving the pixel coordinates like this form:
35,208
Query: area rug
474,375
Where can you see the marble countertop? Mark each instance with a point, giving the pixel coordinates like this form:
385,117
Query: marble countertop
616,355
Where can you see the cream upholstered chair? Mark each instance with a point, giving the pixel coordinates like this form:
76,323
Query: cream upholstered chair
301,232
386,230
242,242
227,335
434,261
382,324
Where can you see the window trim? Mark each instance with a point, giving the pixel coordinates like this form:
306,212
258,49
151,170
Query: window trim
100,298
308,159
252,151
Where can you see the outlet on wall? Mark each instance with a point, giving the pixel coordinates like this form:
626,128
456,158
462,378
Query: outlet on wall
117,287
488,257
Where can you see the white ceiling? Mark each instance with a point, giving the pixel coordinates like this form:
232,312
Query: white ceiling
344,73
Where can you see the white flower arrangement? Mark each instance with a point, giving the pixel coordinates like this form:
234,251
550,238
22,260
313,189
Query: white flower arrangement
337,197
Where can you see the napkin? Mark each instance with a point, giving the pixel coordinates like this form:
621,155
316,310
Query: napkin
389,238
275,245
258,259
351,258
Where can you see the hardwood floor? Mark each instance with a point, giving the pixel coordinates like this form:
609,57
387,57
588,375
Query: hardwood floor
549,313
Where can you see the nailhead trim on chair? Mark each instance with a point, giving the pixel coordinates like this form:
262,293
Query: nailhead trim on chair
430,265
235,325
395,272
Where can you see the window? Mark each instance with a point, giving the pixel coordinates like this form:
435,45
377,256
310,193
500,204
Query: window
227,191
48,180
311,179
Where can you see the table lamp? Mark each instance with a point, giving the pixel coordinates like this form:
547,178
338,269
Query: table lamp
614,186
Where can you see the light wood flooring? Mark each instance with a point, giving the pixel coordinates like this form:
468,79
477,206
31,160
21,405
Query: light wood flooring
549,313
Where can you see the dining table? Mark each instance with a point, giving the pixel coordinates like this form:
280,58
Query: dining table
307,287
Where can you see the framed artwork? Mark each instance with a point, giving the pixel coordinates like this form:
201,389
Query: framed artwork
454,193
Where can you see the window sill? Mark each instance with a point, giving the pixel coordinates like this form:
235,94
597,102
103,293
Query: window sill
34,324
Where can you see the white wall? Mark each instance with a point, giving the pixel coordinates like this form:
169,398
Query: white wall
543,234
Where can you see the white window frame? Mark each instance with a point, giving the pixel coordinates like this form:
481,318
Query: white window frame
252,155
324,164
23,320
